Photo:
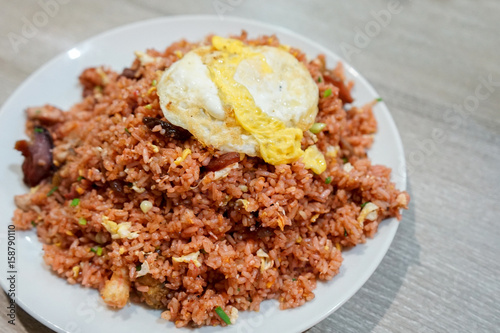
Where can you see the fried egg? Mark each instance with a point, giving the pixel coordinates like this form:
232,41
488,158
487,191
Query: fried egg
256,100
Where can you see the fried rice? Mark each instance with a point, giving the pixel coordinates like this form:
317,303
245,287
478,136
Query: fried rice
141,217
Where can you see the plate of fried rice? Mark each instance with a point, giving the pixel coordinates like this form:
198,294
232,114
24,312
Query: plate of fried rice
194,173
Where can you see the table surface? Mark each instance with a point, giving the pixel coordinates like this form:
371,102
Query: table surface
431,61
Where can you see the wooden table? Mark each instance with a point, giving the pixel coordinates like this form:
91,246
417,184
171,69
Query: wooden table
431,61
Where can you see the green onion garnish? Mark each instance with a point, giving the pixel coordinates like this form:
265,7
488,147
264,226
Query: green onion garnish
97,250
52,191
327,92
38,130
363,205
344,159
138,267
82,221
294,279
222,315
126,130
328,180
345,233
33,223
80,178
153,83
378,99
75,202
317,127
319,79
238,289
38,111
148,107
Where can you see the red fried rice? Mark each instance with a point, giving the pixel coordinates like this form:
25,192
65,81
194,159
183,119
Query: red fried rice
108,163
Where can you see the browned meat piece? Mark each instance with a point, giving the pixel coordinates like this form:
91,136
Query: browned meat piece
264,232
37,163
130,73
117,186
170,130
346,145
46,115
91,78
222,161
156,293
344,92
23,201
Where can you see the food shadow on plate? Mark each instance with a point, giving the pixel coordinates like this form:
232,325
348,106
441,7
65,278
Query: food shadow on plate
15,174
367,307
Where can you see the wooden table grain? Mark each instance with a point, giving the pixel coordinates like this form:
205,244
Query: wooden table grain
436,64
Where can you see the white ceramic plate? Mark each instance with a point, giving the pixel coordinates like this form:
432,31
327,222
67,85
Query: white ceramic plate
71,308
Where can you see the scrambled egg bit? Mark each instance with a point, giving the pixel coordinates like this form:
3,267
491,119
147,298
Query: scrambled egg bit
256,100
118,230
189,258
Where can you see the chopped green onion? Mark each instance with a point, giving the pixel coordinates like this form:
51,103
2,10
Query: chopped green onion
294,279
97,250
38,111
138,267
363,205
153,83
82,221
33,223
80,178
203,251
317,127
52,191
378,99
126,130
319,79
238,289
75,202
222,315
328,180
345,160
327,92
149,107
345,233
38,130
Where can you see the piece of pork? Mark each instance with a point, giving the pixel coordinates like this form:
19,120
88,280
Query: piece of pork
37,154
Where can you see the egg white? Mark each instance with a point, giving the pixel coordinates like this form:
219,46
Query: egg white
190,99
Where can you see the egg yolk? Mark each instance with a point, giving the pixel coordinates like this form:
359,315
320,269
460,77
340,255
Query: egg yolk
314,159
278,144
